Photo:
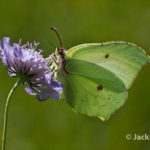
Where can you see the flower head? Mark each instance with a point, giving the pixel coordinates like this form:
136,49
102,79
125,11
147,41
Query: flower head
30,66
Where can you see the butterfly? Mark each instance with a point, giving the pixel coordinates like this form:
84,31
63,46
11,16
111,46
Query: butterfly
97,76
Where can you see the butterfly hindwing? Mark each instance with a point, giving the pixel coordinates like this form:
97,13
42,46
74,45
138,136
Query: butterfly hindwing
92,90
92,97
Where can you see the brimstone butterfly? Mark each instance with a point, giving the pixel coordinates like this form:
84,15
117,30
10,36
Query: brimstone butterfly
97,76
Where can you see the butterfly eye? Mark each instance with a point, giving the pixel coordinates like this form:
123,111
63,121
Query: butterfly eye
61,52
100,87
107,55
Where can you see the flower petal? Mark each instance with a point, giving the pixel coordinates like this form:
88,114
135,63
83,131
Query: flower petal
17,50
43,96
1,48
48,93
6,43
56,86
29,90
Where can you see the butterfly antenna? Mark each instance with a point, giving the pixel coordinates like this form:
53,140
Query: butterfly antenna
60,41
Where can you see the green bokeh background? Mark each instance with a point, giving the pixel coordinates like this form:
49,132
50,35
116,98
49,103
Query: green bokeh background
52,125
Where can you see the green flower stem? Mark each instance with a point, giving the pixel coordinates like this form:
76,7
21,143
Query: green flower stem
6,113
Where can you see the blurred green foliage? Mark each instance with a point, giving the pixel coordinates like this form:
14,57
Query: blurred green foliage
35,125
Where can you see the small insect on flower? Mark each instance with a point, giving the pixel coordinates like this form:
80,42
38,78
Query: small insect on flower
29,65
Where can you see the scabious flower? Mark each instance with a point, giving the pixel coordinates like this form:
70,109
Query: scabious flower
30,66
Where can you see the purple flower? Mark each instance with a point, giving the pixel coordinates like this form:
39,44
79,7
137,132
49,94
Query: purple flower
30,66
